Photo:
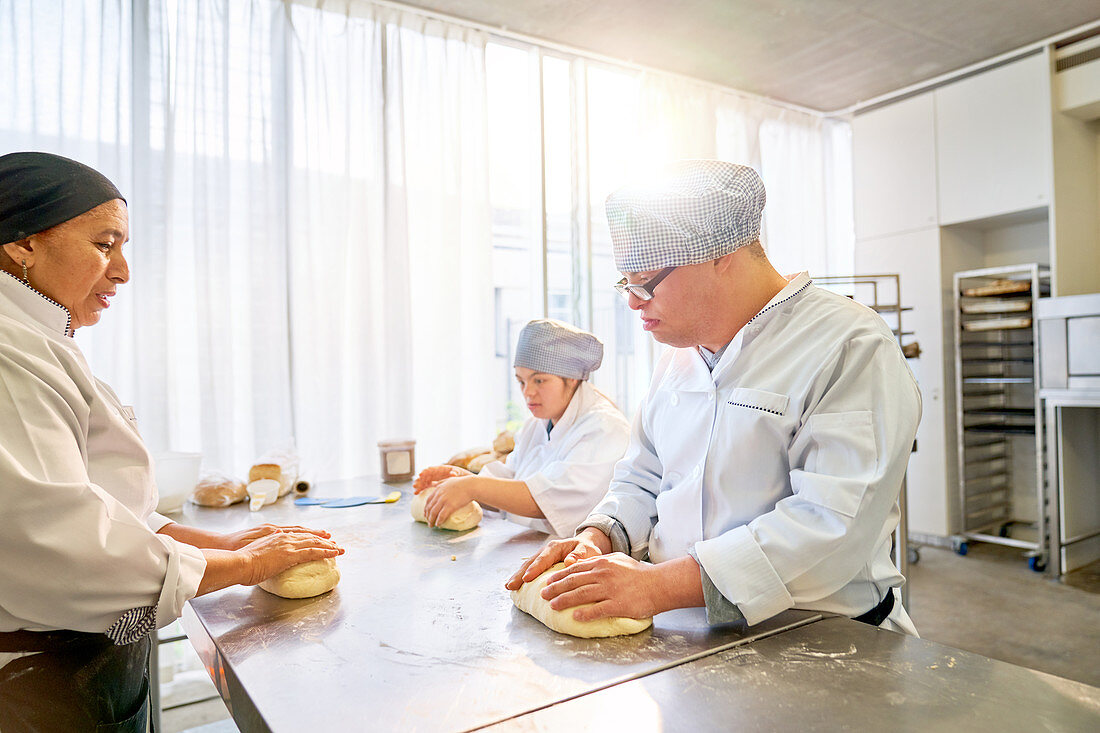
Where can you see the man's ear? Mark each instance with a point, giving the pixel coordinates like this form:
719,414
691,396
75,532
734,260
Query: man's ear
723,263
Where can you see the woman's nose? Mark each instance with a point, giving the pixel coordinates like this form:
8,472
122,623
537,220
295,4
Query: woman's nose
633,302
119,269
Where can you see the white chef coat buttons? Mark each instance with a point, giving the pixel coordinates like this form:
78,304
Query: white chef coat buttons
674,400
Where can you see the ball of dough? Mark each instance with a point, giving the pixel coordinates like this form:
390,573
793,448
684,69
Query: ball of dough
529,600
466,517
305,580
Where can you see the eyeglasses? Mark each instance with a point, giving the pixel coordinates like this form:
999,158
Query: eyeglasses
643,291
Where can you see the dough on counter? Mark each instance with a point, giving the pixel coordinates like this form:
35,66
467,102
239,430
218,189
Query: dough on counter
529,600
466,517
305,580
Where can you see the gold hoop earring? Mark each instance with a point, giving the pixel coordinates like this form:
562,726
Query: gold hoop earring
25,278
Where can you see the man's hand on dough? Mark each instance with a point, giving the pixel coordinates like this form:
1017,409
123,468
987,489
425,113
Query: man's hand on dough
237,540
432,475
589,543
273,553
617,584
449,496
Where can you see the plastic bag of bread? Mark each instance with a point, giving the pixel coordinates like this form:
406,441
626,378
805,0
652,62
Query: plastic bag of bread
462,460
504,443
279,464
216,489
479,462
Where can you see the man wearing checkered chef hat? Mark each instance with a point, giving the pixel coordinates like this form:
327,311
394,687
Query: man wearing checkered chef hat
564,455
775,432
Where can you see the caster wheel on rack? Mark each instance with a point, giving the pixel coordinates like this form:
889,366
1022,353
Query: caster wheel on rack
913,555
961,547
1037,564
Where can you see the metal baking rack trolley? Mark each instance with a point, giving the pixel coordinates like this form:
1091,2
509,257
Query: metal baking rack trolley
998,413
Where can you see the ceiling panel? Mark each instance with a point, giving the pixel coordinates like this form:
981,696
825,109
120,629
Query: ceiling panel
822,54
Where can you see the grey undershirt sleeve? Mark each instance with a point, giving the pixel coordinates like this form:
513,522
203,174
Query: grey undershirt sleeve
611,527
719,608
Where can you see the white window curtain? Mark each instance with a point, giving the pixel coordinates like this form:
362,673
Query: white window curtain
309,219
389,296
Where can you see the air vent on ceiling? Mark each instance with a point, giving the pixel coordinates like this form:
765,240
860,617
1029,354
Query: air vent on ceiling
1077,78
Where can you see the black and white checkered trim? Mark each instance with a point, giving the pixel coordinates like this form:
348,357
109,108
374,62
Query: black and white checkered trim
698,211
778,303
135,625
51,301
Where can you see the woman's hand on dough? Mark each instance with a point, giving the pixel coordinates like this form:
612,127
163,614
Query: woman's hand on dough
432,475
617,584
237,540
591,542
449,496
273,553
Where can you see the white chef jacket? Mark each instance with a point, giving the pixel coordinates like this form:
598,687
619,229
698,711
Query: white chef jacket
781,469
77,492
567,471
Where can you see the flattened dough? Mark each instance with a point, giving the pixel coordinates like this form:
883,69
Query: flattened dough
466,517
529,600
305,580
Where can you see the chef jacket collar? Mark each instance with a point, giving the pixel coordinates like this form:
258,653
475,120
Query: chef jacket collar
780,304
782,301
44,311
579,398
694,375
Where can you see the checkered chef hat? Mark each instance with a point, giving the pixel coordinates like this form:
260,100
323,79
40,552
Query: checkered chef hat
553,347
695,211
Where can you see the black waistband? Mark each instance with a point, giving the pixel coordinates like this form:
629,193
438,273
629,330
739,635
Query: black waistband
49,641
878,614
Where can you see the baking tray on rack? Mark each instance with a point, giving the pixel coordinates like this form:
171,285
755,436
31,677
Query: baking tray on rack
996,324
996,305
998,287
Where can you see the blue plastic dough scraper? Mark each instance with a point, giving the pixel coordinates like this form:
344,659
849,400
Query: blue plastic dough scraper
346,501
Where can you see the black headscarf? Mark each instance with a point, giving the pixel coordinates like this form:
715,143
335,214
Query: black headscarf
42,190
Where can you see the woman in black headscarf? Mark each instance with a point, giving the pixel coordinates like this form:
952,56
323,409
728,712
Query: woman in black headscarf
89,570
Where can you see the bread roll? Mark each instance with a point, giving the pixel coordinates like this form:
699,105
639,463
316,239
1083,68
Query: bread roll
479,462
218,490
462,460
504,443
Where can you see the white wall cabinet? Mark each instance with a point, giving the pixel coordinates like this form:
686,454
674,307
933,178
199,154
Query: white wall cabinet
894,164
993,142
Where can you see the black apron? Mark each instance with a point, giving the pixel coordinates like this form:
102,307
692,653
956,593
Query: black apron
77,682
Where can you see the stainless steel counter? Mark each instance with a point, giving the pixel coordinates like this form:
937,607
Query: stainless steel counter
411,639
835,674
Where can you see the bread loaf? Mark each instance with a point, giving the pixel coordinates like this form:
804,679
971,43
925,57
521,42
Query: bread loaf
504,443
462,460
265,470
479,462
218,490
